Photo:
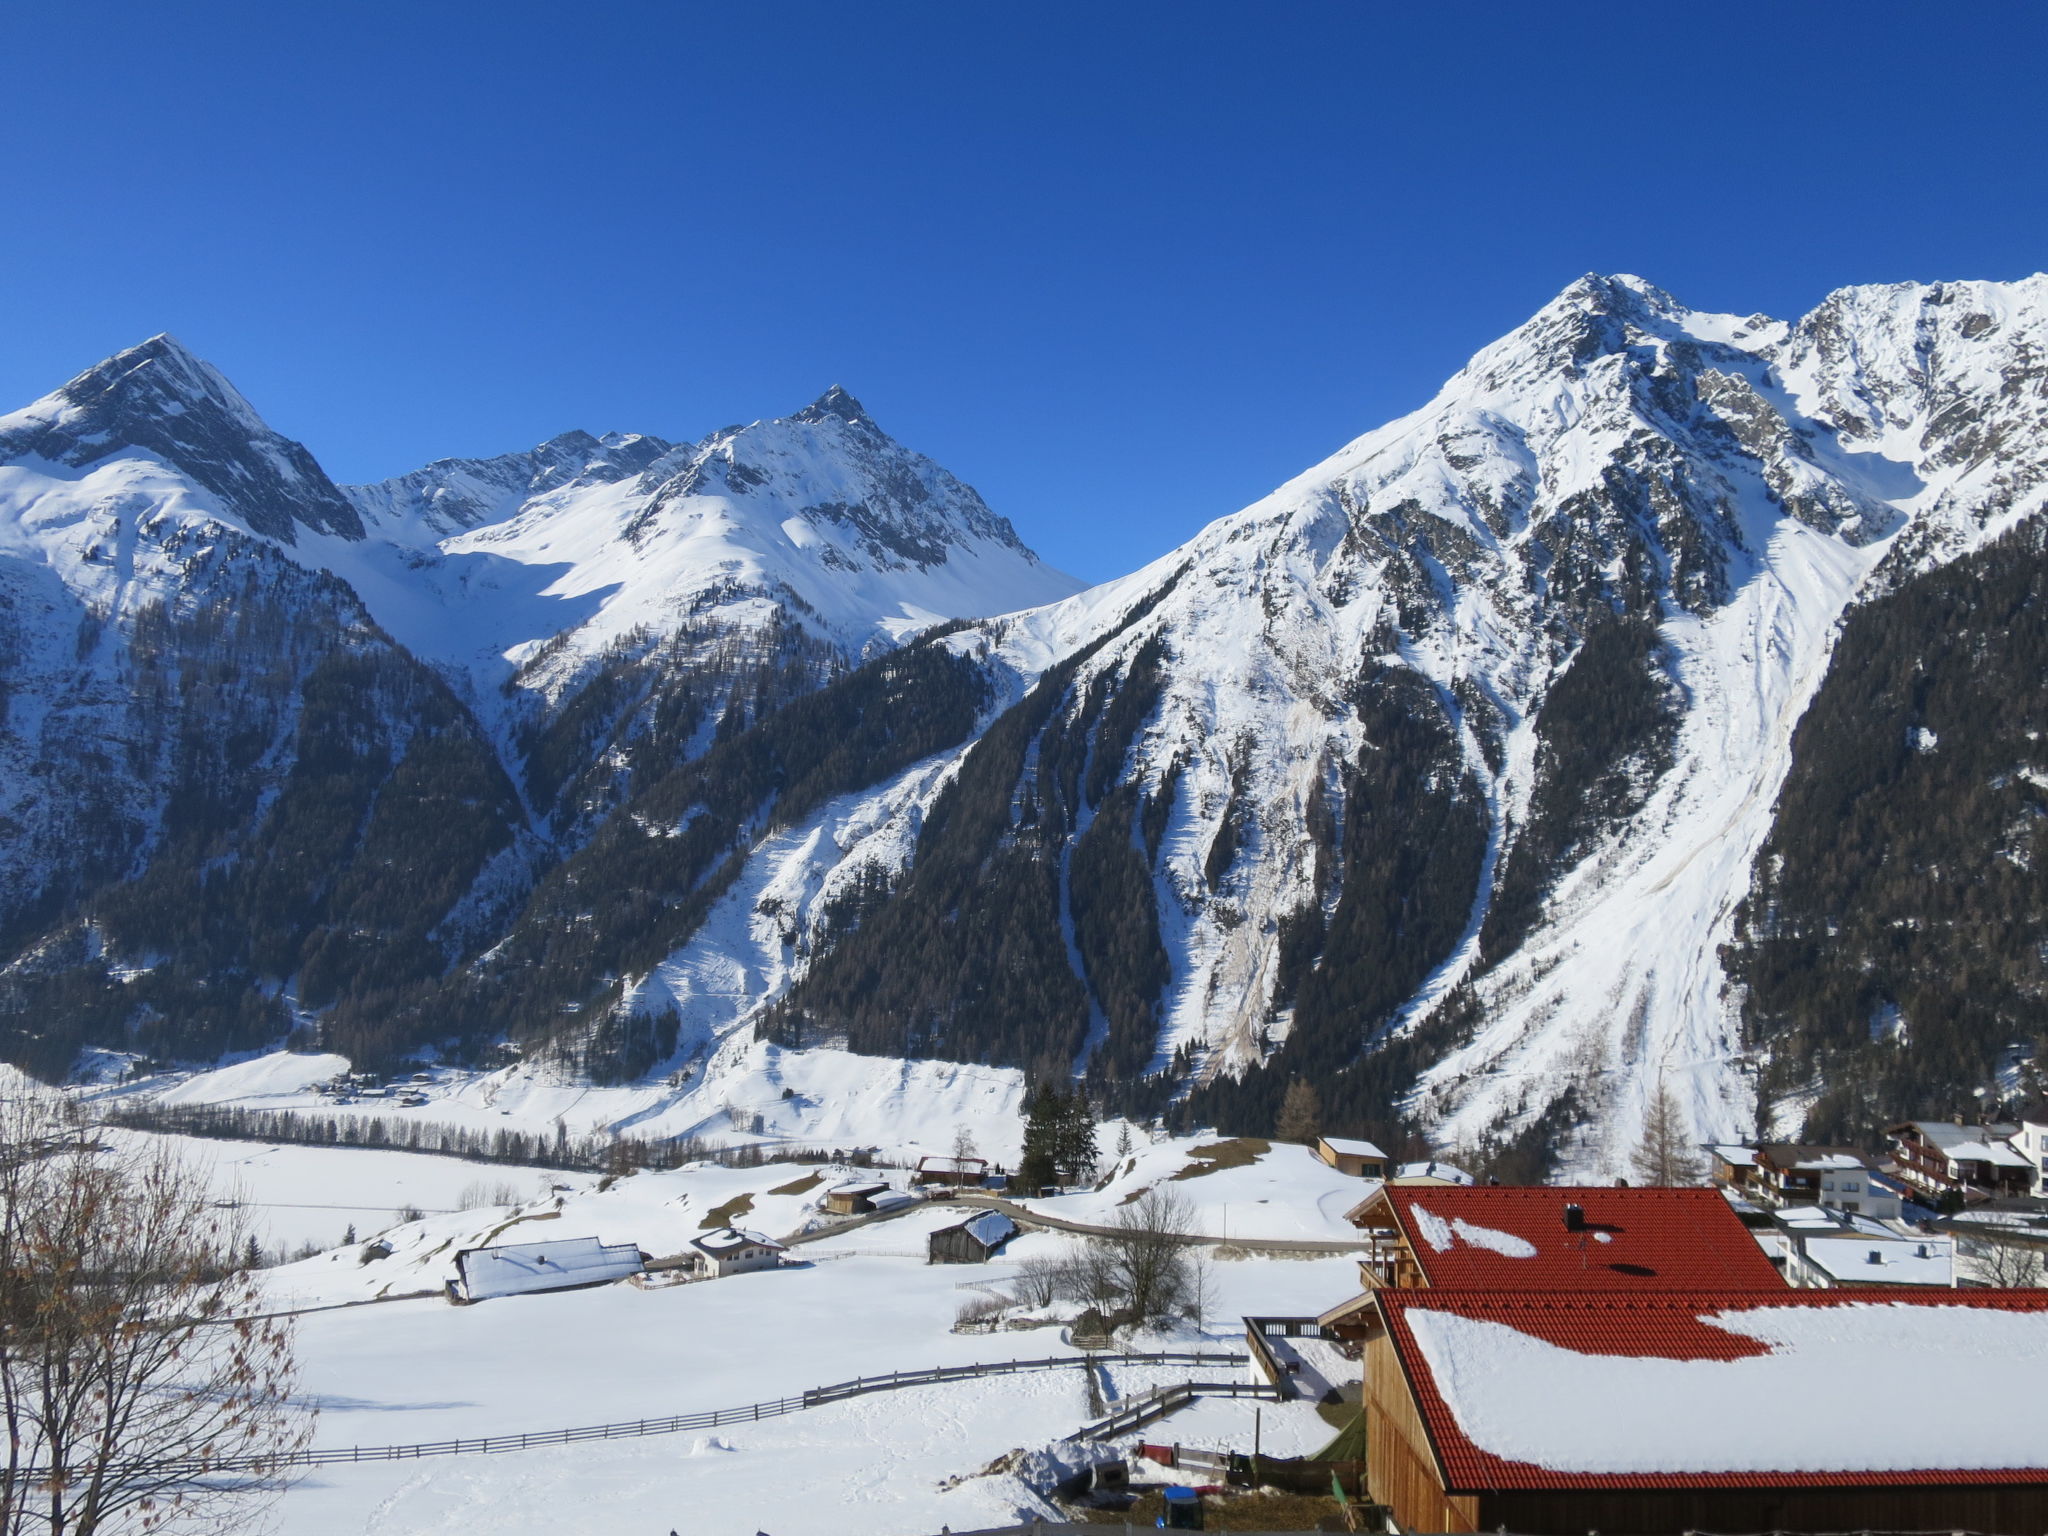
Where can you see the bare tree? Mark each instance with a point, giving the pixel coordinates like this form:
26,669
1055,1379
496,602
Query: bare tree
963,1146
1664,1155
1301,1114
2009,1266
1145,1263
132,1366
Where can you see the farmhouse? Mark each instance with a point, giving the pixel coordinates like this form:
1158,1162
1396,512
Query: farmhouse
1499,1238
518,1268
970,1242
953,1172
1568,1412
1360,1159
731,1251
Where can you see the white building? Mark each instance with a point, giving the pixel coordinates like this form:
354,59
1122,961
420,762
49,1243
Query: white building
519,1268
732,1251
1825,1248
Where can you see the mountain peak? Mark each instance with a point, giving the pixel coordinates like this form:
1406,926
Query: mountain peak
162,400
835,402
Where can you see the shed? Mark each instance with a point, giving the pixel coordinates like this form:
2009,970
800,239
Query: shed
970,1242
854,1199
518,1268
1360,1159
1564,1412
733,1251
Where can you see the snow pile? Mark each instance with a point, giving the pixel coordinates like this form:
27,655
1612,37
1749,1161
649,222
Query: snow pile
1825,1374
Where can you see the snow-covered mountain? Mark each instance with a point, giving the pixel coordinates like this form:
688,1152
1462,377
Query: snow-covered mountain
269,743
1483,774
1439,775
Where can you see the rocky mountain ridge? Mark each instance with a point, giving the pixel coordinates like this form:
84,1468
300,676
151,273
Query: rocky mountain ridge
1465,774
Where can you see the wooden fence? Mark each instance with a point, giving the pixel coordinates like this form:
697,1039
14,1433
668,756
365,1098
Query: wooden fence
633,1429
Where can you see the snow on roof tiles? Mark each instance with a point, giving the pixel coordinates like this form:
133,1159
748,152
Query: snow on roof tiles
1590,1390
990,1228
725,1239
1635,1239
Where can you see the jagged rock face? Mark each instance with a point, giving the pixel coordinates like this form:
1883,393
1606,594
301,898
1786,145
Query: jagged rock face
160,401
1455,753
273,751
1439,776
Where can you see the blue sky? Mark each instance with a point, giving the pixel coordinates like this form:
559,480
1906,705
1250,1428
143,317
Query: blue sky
1124,267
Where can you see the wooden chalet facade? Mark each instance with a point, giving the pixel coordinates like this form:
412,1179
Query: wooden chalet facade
971,1241
1617,1430
1940,1156
1360,1159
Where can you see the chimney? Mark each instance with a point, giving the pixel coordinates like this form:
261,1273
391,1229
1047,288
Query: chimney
1574,1218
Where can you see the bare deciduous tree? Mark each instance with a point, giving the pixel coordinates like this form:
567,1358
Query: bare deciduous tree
1664,1155
2009,1266
132,1366
1144,1266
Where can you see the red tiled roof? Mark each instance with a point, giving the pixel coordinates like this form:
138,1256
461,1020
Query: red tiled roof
1662,1325
1635,1239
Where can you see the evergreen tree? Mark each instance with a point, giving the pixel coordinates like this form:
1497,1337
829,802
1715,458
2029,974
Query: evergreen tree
1039,1165
1301,1114
1074,1150
1664,1156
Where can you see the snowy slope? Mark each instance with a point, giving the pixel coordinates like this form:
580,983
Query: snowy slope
1734,482
536,563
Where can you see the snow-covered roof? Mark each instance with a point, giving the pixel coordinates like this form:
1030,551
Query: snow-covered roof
990,1228
1737,1157
1830,1161
1585,1390
1506,1237
1859,1259
890,1199
730,1239
1970,1143
519,1268
858,1187
1444,1171
1345,1147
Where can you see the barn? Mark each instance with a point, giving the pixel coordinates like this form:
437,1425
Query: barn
519,1268
1649,1412
970,1242
854,1198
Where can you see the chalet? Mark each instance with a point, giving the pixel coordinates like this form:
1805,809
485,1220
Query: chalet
731,1251
518,1268
1360,1159
952,1172
1733,1167
854,1199
970,1242
1794,1174
2031,1142
1573,1411
1943,1156
1515,1238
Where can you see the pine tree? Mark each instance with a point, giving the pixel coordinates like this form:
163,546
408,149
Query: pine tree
1038,1166
1301,1114
1075,1150
1664,1156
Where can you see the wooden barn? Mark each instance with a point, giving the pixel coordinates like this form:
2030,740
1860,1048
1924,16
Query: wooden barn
1360,1159
950,1172
854,1199
970,1242
1568,1412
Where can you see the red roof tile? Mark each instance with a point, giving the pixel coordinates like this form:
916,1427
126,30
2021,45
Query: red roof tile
1658,1325
1634,1240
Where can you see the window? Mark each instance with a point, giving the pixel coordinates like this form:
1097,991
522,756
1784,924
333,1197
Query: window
1851,1187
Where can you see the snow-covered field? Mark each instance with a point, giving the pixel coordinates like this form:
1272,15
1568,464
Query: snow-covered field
862,1303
